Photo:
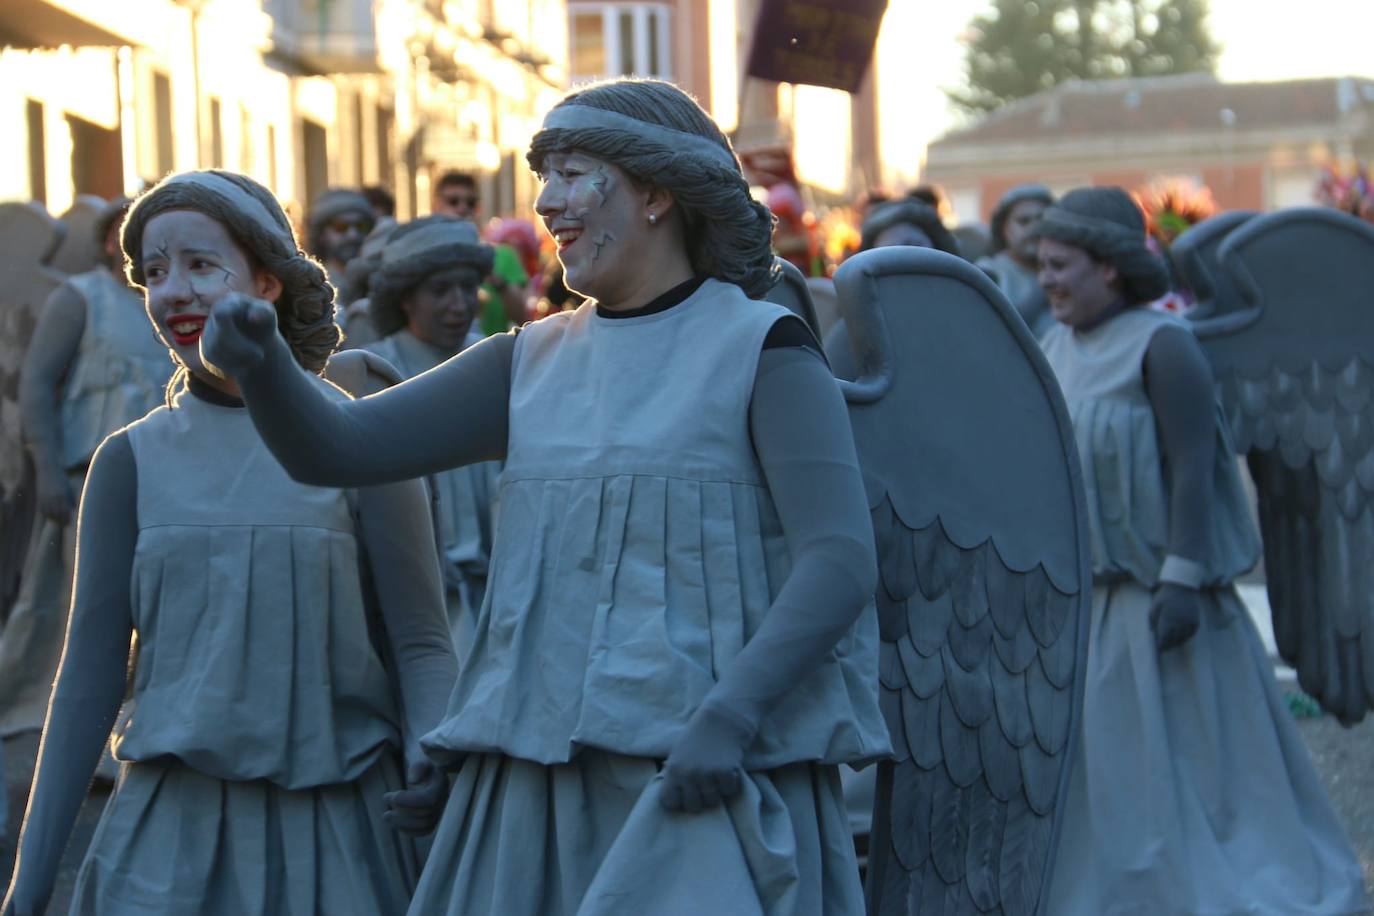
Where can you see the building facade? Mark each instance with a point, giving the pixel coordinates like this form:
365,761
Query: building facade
1254,145
300,94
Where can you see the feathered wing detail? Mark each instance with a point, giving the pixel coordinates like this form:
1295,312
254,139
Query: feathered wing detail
1295,372
985,583
28,236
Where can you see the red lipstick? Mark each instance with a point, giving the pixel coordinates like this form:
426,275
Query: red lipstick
185,328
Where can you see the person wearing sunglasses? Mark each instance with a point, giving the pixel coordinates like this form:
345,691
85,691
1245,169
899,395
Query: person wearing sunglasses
503,291
340,219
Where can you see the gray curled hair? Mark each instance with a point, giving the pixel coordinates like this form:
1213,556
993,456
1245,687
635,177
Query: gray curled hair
729,234
1108,224
305,309
405,266
912,212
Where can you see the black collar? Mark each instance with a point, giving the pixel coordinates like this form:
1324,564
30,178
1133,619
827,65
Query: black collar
661,303
210,394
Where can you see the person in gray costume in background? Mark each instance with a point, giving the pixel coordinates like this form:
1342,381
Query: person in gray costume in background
1015,248
1192,791
906,222
93,366
423,299
677,647
279,700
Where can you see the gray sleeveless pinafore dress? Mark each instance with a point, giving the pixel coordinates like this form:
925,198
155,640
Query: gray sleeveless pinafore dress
264,734
637,550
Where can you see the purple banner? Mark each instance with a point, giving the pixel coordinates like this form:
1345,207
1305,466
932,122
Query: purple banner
817,42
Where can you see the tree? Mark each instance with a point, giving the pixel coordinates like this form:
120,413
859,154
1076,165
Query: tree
1021,47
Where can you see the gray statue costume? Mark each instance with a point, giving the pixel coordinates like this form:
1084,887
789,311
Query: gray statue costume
682,535
359,330
115,372
334,203
291,641
984,593
1017,281
1192,791
1284,314
265,714
464,496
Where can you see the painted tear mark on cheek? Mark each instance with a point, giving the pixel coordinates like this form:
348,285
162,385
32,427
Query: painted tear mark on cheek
595,188
600,242
204,288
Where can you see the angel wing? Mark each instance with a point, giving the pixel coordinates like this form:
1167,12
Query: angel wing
1296,376
1195,255
28,236
985,584
791,293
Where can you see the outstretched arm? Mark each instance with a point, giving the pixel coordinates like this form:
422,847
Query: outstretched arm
92,677
395,526
803,439
455,414
1178,382
56,339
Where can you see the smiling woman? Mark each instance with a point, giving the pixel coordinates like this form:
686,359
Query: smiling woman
677,648
264,703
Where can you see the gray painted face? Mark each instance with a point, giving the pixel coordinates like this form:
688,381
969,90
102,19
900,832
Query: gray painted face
589,208
190,262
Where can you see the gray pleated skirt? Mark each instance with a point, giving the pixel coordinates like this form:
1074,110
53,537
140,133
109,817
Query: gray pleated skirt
173,841
1193,792
589,838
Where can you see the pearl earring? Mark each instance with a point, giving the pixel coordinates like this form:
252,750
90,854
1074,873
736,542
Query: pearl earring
653,218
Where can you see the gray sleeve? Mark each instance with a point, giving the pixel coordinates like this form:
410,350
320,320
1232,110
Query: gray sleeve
452,415
56,339
801,433
395,527
93,673
1178,382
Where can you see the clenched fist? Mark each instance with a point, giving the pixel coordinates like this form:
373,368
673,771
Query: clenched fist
236,336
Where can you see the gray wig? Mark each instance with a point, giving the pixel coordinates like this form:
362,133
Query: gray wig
1108,225
305,309
1000,213
662,138
414,252
910,211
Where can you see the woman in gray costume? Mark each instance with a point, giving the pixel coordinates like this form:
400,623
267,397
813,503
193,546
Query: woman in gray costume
677,647
423,300
1012,263
268,730
93,366
1192,792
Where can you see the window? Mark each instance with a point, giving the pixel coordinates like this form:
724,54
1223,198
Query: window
38,175
162,122
620,39
216,134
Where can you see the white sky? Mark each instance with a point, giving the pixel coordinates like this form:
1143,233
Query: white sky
919,52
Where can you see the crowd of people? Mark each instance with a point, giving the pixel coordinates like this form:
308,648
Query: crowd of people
442,569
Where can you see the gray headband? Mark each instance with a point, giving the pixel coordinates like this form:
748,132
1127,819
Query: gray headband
1058,216
441,234
585,117
238,199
